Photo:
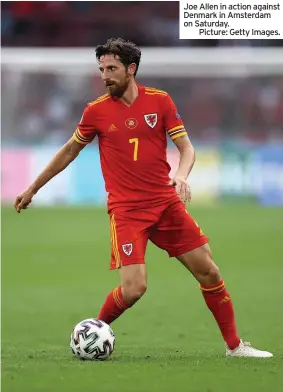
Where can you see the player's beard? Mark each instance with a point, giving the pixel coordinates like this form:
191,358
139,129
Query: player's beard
117,89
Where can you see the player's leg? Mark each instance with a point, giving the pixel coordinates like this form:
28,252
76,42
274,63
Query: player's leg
133,280
133,284
199,262
218,300
181,237
129,236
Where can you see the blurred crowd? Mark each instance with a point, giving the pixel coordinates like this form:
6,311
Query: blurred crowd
88,23
46,107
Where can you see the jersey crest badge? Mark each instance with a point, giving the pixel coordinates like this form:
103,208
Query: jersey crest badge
127,249
151,119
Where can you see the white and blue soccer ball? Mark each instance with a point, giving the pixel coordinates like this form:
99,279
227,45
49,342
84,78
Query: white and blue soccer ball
92,339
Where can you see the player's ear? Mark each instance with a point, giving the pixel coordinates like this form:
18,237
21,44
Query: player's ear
132,69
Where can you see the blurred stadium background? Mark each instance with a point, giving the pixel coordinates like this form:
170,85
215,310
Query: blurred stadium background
230,95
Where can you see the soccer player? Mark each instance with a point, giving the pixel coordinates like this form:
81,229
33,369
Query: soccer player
132,123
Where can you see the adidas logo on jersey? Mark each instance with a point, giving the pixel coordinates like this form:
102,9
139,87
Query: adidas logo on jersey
112,128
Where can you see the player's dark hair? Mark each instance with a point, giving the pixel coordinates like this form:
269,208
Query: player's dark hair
127,51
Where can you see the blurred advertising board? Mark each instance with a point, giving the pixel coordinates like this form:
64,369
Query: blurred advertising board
270,170
205,179
87,184
15,172
56,191
238,172
253,172
232,171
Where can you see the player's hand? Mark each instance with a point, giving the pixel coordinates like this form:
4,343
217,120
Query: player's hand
182,188
23,200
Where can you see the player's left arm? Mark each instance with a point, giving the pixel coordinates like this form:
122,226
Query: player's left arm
186,163
187,156
178,134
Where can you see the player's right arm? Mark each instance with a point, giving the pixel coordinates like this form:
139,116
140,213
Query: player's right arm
84,134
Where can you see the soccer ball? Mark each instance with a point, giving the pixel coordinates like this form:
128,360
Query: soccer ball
92,339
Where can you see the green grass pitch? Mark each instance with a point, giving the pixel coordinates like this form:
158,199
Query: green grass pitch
55,273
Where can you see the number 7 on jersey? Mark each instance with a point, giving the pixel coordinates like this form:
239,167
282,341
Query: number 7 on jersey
135,140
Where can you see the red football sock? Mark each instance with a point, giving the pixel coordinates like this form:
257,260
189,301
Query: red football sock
113,307
220,304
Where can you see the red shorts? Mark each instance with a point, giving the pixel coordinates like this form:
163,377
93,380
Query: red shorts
171,228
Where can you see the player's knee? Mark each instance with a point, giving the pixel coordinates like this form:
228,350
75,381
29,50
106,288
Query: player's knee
133,291
210,274
213,274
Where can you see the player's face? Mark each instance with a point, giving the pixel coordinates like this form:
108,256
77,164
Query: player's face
114,74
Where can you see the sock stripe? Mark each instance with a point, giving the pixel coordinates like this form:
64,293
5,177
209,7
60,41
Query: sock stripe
219,291
113,307
121,298
115,296
118,299
217,288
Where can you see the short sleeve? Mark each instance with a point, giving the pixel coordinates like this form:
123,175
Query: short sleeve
86,131
172,120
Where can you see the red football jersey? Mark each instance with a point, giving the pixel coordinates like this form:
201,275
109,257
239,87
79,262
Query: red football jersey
132,144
